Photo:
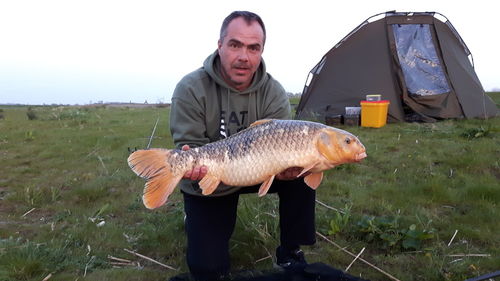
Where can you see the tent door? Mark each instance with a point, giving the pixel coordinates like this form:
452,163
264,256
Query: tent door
425,85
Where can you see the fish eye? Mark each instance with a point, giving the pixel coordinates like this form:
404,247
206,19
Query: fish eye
347,140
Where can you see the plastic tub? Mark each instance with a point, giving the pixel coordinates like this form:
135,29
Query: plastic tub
374,113
373,97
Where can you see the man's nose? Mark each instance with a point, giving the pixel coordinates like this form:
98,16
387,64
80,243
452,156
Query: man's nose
243,54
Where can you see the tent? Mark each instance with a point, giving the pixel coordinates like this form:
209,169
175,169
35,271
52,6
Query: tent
417,61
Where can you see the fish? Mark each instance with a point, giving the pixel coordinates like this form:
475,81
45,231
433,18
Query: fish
252,156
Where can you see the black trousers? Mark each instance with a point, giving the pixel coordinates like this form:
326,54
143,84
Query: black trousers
210,222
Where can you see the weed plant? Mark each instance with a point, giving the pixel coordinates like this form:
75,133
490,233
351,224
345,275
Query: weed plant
69,204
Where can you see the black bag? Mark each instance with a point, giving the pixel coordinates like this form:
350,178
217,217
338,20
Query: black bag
312,272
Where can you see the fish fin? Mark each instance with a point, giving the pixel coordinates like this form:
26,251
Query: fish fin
261,121
152,165
145,163
209,184
158,189
264,187
313,180
307,168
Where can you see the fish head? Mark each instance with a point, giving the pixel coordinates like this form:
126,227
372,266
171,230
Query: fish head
339,146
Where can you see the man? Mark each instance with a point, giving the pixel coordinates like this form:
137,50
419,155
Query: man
231,91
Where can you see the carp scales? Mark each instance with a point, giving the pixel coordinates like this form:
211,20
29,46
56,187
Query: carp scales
252,156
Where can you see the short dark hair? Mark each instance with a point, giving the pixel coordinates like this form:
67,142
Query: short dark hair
249,17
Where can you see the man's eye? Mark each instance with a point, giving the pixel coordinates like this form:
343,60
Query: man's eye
254,48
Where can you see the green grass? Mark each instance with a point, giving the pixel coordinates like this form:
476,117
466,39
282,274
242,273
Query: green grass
68,201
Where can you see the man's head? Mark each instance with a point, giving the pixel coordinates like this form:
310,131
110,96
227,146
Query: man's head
240,47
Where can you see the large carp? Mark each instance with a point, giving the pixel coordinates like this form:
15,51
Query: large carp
252,156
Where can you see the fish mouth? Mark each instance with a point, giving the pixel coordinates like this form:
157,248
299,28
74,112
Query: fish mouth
361,156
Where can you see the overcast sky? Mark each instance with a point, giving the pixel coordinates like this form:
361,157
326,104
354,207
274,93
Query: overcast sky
78,52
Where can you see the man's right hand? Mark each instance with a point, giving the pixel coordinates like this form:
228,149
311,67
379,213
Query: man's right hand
198,172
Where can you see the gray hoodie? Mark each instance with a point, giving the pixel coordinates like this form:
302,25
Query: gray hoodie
205,109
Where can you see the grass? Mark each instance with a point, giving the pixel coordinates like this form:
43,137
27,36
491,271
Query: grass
68,200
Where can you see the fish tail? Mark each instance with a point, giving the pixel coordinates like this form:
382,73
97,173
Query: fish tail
152,165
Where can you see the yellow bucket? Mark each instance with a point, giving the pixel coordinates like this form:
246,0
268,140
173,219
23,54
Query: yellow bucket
374,113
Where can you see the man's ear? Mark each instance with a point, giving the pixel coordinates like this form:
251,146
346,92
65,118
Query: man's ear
219,44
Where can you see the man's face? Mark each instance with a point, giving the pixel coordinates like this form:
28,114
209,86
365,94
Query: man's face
240,52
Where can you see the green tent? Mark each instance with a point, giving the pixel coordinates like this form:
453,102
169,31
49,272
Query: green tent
417,61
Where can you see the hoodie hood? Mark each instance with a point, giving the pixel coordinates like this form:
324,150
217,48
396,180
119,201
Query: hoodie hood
212,66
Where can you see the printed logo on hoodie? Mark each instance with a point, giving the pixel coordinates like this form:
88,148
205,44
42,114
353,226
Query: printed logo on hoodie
235,122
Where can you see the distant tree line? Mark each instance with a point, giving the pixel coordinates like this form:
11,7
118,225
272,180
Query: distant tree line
292,95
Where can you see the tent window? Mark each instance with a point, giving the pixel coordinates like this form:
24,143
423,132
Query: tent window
422,69
309,79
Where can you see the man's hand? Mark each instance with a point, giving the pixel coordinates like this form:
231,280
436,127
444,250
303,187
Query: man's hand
198,172
290,173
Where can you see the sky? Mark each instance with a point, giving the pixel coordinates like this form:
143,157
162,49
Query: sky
81,52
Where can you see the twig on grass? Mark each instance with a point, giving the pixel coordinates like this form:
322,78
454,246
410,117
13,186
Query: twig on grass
329,207
153,133
453,237
25,214
119,262
87,265
47,277
470,255
103,165
123,263
118,259
92,152
353,255
349,266
262,259
413,252
150,259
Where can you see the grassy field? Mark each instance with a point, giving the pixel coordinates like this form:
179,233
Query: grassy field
424,205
